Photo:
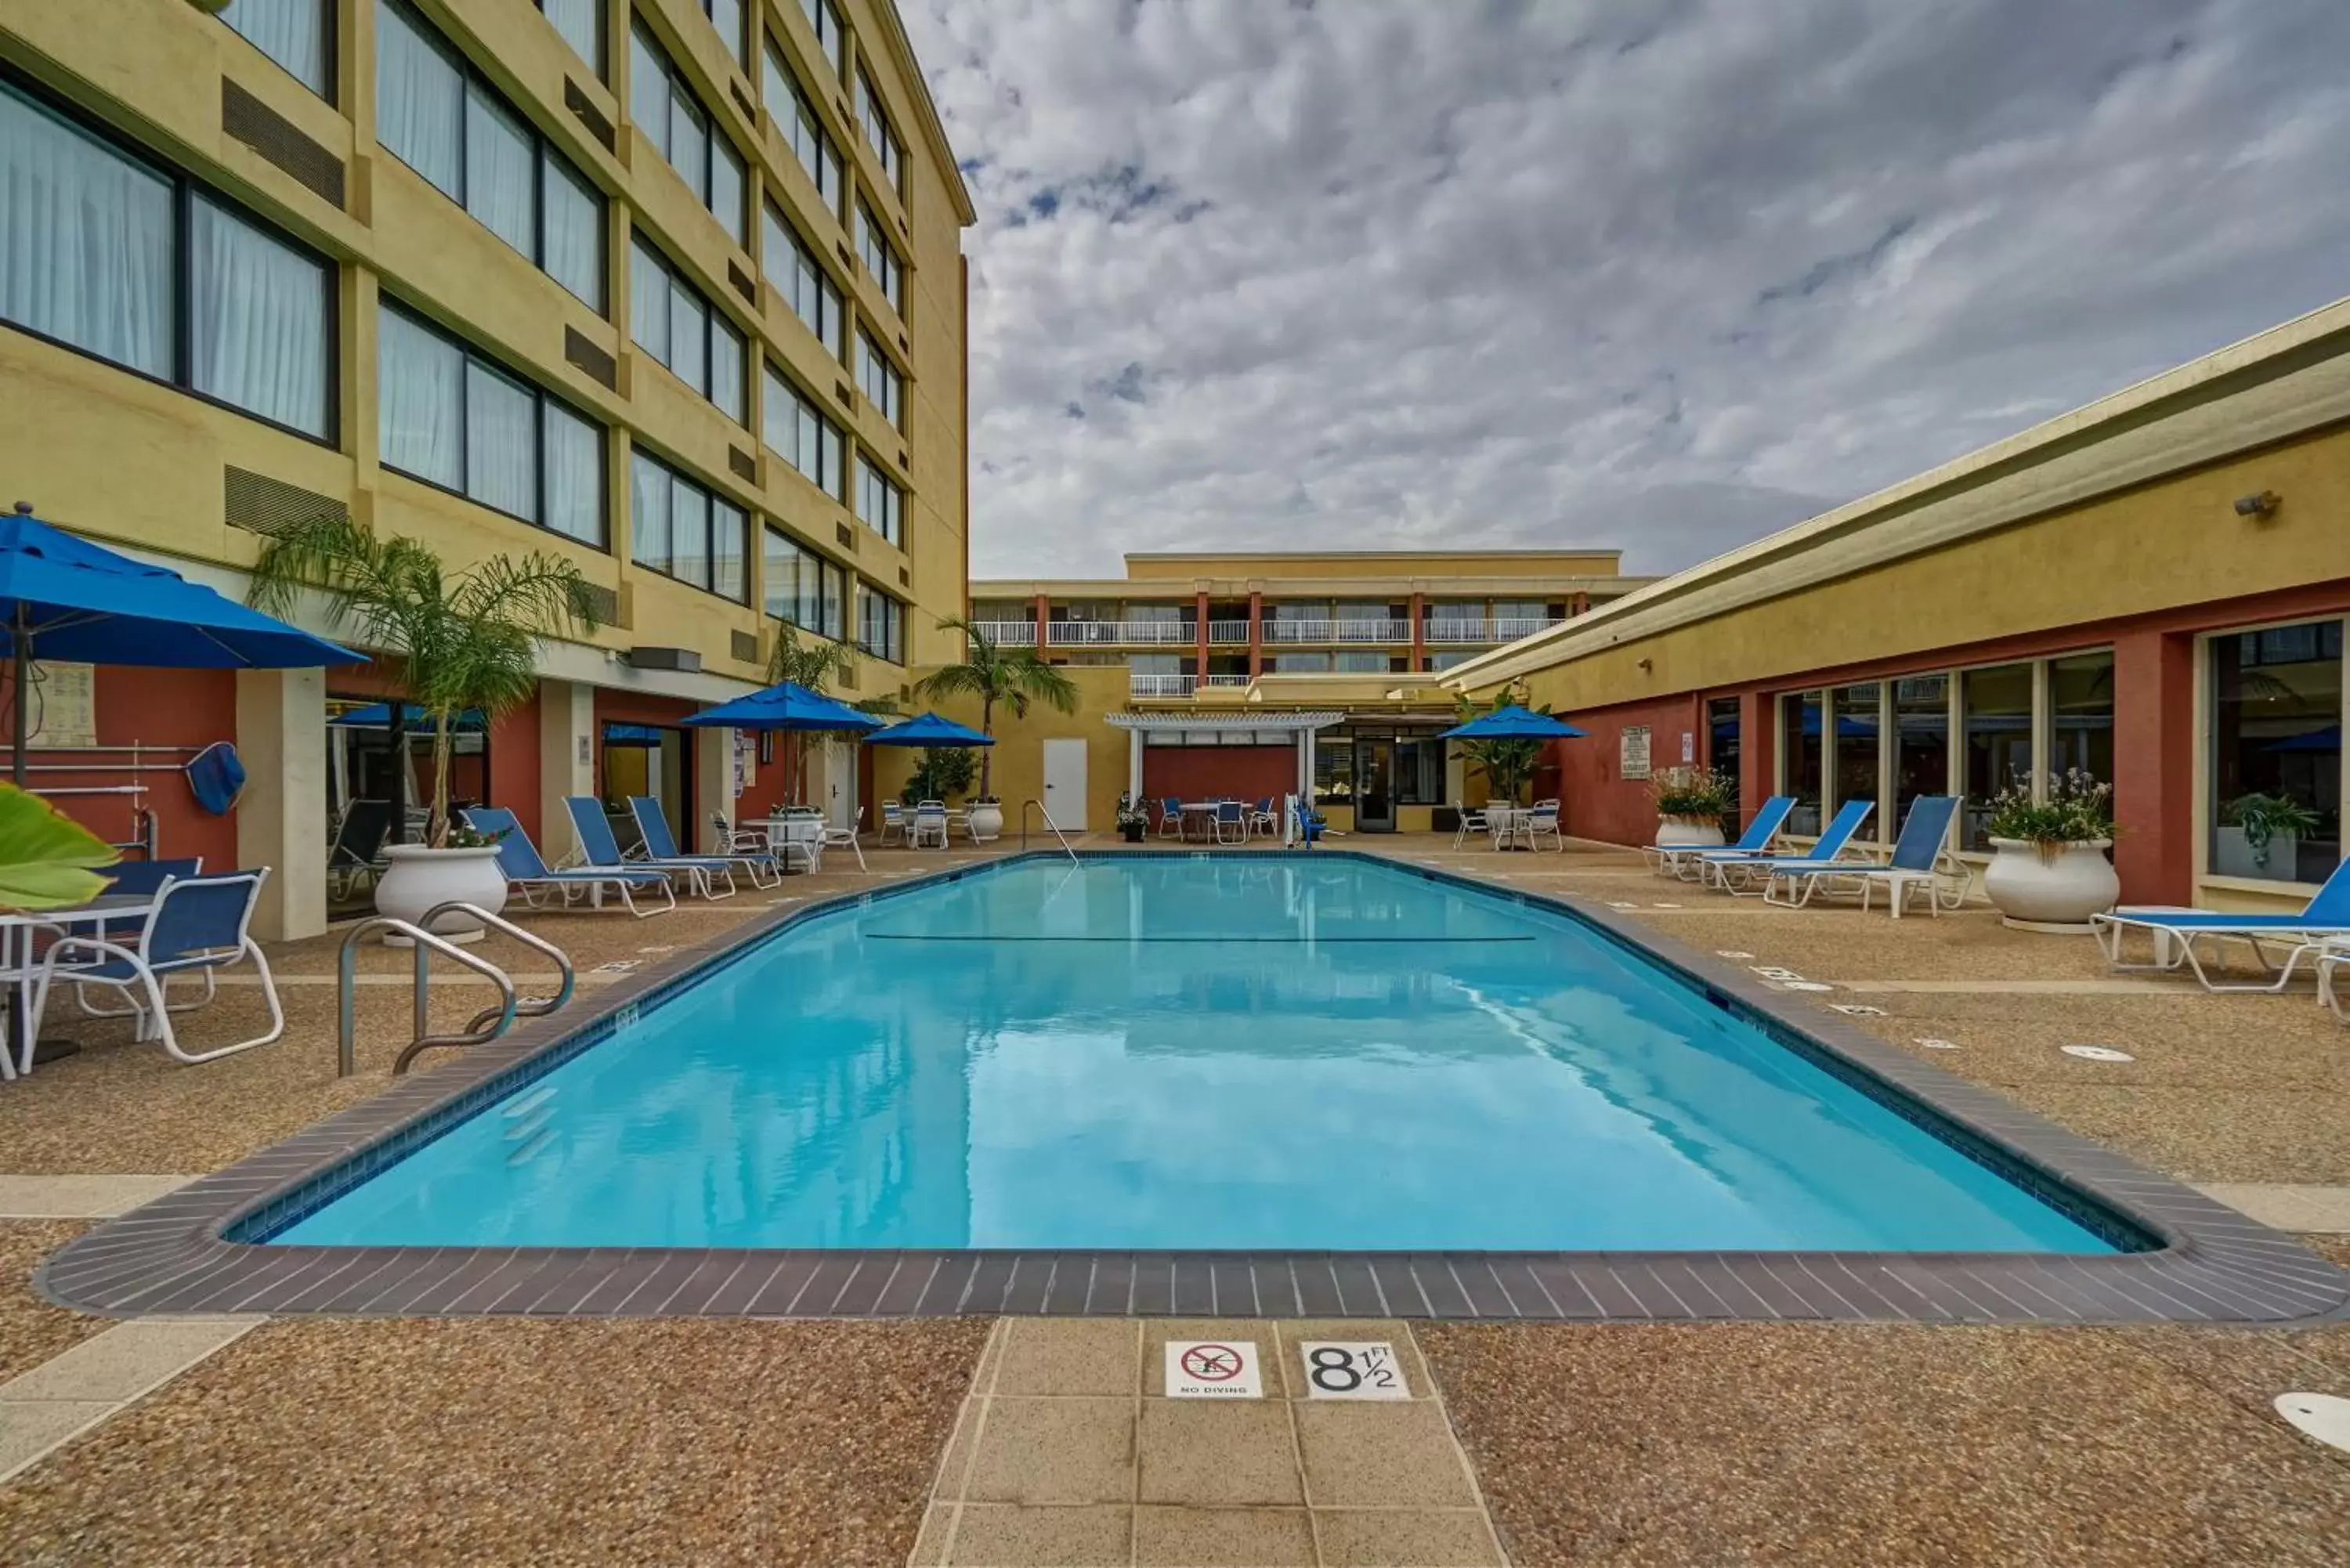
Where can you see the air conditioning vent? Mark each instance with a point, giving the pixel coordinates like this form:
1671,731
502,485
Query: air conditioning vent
844,394
744,102
905,578
260,504
741,282
849,677
847,535
605,603
275,138
909,347
848,256
575,99
903,465
746,468
583,353
650,656
746,648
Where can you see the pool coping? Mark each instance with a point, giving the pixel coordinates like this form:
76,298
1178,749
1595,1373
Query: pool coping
176,1254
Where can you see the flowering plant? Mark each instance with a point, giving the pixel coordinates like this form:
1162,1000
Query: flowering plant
2076,807
1131,811
1693,792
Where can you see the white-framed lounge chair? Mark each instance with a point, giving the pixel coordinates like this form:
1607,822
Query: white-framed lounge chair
1542,819
837,837
199,924
2178,934
1171,817
601,851
1681,860
1743,872
528,874
929,824
1472,820
2333,975
893,820
660,847
1922,859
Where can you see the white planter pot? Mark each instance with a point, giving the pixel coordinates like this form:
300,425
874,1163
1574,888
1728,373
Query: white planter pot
1689,831
420,878
986,821
2055,891
2231,856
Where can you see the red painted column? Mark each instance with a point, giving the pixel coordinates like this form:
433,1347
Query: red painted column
1580,605
1758,743
1256,635
1419,631
1043,619
2154,766
1200,661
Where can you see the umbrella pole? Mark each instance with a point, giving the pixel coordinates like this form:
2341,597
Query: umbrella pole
19,1015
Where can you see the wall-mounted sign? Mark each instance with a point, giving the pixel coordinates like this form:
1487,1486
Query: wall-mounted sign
1688,747
65,706
1632,758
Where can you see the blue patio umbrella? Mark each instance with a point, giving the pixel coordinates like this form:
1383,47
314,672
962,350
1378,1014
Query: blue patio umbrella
631,735
788,706
378,716
2316,740
1513,722
928,730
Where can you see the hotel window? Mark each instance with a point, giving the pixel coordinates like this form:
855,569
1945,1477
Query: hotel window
791,267
1857,733
1301,664
880,625
2276,753
803,589
672,120
1438,663
1723,744
1922,730
1334,770
726,17
798,434
106,253
884,385
882,504
581,22
1356,661
451,418
1996,754
830,33
683,531
880,260
2081,715
297,34
796,118
435,115
878,134
671,320
1800,758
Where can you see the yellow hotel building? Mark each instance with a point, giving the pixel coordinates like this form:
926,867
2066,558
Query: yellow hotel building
670,287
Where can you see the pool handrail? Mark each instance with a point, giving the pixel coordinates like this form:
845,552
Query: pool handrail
1049,823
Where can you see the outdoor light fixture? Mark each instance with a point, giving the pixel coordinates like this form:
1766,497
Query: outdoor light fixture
2260,505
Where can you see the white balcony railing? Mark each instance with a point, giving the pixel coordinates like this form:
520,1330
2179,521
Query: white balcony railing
1096,633
1508,628
1160,685
1511,628
1337,630
1228,631
1226,680
1009,633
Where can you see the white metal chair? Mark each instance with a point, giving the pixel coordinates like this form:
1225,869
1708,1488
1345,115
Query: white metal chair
893,820
1472,821
930,825
2333,973
1171,817
1262,819
200,924
1230,827
848,837
1542,819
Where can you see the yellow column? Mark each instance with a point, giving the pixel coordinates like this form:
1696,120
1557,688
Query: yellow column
566,761
281,818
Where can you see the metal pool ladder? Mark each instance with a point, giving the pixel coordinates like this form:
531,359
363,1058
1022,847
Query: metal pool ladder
486,1026
1049,823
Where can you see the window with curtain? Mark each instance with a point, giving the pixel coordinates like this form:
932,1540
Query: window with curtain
880,259
663,105
1996,713
726,17
884,385
581,22
831,33
435,114
450,417
880,624
796,118
2275,754
293,33
803,589
878,135
98,252
880,503
801,280
797,431
671,320
680,530
1800,759
1360,661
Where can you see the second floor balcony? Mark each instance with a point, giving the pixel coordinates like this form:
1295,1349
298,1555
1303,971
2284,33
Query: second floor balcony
1008,633
1505,629
1364,630
1103,633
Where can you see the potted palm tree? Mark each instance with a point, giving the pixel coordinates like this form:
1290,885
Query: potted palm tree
466,640
814,664
992,674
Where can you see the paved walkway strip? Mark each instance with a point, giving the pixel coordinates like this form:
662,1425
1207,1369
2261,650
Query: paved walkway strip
80,1197
2286,1206
69,1394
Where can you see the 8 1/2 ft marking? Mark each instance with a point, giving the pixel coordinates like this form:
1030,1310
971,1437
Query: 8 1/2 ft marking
1352,1369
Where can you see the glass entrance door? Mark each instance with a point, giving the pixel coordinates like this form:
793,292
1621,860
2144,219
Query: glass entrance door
1374,786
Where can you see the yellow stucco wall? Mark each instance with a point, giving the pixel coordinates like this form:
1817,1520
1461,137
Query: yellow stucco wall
1018,761
1382,565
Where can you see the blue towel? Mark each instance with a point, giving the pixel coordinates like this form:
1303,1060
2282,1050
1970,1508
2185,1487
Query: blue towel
217,776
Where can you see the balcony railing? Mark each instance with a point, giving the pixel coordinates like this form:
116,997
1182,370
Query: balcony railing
1096,633
1160,685
1226,680
1508,628
1337,631
1009,633
1227,632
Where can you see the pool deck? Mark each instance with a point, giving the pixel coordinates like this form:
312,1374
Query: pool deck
306,1439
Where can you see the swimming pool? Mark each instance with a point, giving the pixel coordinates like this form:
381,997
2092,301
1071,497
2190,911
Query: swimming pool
1194,1053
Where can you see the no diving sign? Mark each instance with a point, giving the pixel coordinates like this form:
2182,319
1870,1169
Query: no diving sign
1214,1369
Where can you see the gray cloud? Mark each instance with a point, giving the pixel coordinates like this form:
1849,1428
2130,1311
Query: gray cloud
1660,273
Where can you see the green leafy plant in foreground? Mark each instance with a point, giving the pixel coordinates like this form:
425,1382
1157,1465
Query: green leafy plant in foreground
1700,793
2076,807
48,861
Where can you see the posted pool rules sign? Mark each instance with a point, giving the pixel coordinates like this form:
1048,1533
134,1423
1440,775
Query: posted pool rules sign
1214,1369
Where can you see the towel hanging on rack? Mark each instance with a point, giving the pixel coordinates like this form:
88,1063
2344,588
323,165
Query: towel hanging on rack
217,776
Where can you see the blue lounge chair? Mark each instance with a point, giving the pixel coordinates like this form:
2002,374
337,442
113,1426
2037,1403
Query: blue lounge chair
2177,932
602,850
660,847
528,875
1311,824
1922,858
1681,860
1720,866
1171,817
199,924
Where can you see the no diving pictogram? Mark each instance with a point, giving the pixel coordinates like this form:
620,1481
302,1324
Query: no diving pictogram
1211,1363
1212,1369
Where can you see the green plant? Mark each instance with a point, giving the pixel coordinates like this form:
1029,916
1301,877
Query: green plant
992,674
465,639
2265,818
1693,792
463,837
48,861
814,664
943,773
2074,808
1132,812
1508,765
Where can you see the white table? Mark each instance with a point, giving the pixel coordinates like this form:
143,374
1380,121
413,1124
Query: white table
805,831
1205,810
1508,824
19,967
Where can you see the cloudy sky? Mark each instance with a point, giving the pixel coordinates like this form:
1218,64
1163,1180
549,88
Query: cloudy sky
1665,274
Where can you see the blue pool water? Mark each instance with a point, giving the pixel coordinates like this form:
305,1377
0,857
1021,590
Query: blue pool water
1291,1052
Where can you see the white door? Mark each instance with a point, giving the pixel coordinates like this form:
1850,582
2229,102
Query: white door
839,782
1065,783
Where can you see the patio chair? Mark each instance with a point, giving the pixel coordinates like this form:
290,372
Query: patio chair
1922,858
660,846
1171,817
893,820
2325,918
733,840
1542,819
1719,866
930,825
358,842
1472,820
1231,826
835,838
1262,819
2332,974
1311,824
201,925
528,874
601,850
1681,860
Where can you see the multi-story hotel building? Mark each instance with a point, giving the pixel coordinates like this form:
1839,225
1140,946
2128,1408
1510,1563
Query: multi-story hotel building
671,288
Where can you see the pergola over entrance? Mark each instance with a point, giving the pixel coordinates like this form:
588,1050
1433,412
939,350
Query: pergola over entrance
1299,727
